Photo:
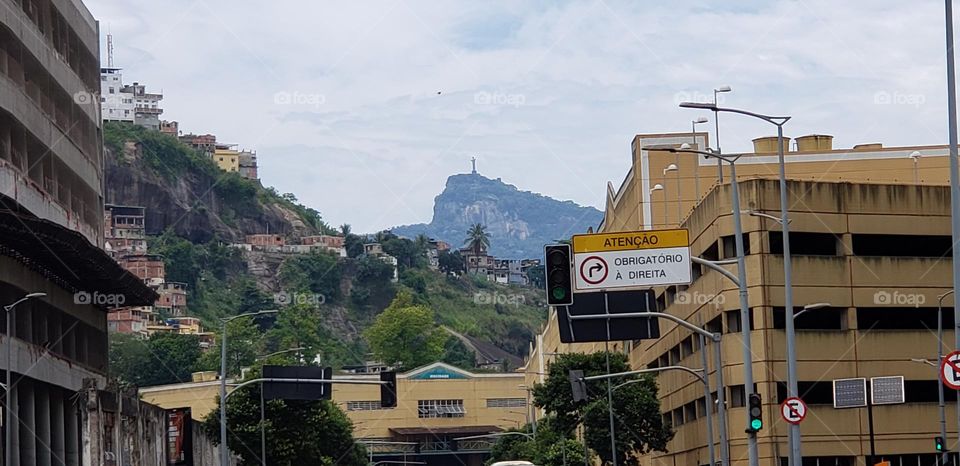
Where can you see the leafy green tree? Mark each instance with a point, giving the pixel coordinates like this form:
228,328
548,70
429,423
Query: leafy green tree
128,355
405,334
164,358
550,448
317,272
408,255
353,244
373,271
536,277
457,354
298,326
244,344
300,432
477,239
637,419
450,262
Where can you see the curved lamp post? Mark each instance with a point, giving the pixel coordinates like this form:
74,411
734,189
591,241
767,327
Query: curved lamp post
224,460
778,121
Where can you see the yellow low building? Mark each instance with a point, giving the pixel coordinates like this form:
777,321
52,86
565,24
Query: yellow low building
436,404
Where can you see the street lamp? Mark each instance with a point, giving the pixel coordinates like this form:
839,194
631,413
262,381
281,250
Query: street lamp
696,167
674,168
655,188
716,130
810,307
916,155
223,378
263,411
9,310
742,289
778,121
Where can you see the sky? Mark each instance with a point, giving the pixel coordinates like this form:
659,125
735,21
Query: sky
363,109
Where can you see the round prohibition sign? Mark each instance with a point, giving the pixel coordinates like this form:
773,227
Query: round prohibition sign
793,410
596,264
950,370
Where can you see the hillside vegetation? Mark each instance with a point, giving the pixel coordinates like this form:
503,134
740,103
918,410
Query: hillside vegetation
326,302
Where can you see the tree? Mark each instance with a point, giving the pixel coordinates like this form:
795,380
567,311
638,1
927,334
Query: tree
316,272
477,238
162,359
450,262
353,243
345,230
300,432
637,419
536,277
297,326
244,344
457,354
406,251
405,334
550,448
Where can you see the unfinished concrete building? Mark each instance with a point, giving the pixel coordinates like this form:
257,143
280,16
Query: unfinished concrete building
52,229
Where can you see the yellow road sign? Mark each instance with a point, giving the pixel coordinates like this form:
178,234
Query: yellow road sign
631,240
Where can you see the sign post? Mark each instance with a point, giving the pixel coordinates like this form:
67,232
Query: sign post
793,410
635,259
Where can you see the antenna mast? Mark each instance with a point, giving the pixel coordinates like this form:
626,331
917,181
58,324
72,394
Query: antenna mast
109,50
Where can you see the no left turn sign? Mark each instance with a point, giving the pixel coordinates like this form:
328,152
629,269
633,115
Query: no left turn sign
950,370
793,410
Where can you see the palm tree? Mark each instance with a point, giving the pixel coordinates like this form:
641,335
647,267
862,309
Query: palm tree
345,229
477,238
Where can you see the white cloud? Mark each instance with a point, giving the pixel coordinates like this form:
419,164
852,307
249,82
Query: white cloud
569,84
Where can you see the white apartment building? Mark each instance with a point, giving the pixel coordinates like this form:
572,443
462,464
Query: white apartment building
131,103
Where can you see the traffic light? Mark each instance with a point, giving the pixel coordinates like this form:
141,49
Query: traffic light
754,404
938,444
577,385
388,391
559,284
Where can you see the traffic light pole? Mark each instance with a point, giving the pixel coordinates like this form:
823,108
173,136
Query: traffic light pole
713,337
700,374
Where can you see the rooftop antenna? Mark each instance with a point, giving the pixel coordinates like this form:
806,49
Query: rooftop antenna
473,161
109,50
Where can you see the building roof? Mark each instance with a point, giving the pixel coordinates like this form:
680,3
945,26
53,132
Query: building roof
68,259
445,430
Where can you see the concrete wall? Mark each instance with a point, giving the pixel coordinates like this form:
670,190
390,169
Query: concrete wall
123,430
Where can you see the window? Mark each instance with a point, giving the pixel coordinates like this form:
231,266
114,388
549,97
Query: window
730,245
506,403
690,411
733,321
111,91
737,396
440,408
674,355
805,244
686,347
363,405
701,407
715,325
828,318
678,417
899,318
901,245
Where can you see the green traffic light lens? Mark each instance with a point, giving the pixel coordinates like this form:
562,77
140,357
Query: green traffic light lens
559,293
756,424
